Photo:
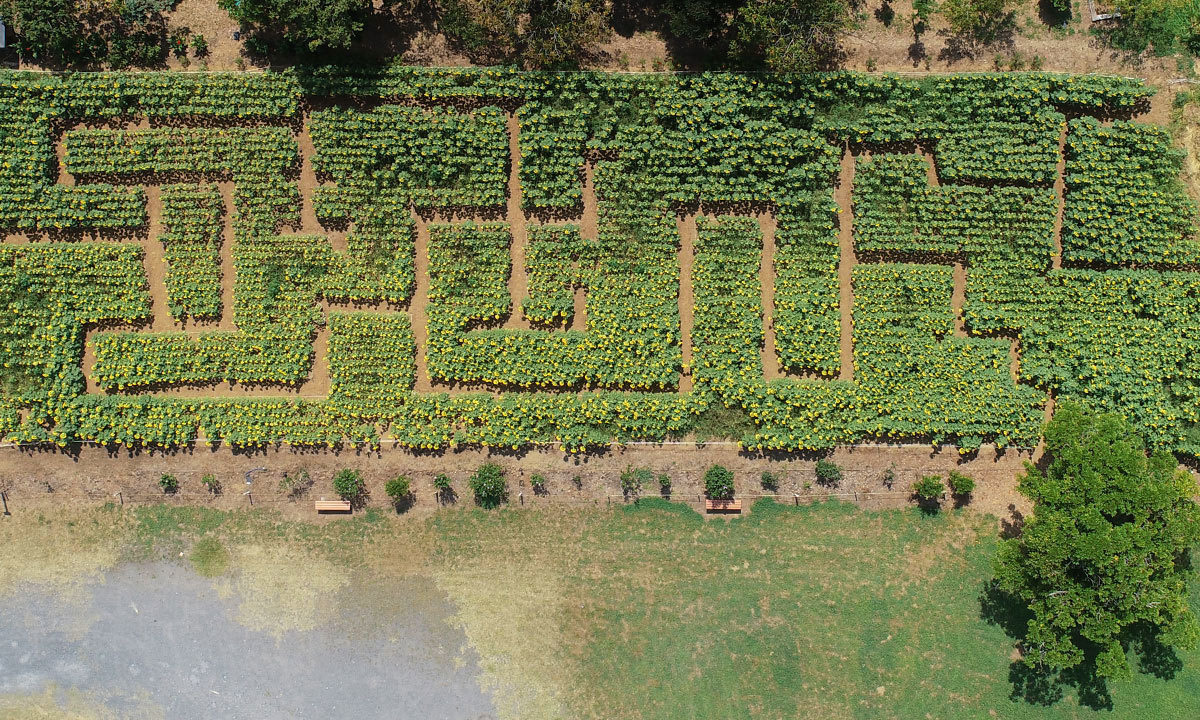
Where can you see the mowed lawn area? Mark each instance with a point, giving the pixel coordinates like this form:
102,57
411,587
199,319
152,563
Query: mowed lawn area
651,611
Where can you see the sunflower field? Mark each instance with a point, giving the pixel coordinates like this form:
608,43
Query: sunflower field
409,267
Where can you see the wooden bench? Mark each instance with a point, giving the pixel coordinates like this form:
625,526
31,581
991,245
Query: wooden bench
732,506
333,506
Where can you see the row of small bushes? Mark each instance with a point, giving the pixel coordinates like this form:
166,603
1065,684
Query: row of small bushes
490,486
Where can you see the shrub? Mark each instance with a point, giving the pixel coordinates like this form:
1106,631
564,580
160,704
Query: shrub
169,483
211,482
889,476
633,479
349,484
961,484
199,45
828,473
538,483
929,488
442,482
664,483
489,486
399,489
295,485
769,481
718,483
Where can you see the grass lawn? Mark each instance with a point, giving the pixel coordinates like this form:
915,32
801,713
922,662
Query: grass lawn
650,611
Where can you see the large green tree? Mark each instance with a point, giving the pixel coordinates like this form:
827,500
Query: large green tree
535,33
308,25
1103,562
791,35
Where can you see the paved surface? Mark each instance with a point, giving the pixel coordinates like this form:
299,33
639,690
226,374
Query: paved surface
160,635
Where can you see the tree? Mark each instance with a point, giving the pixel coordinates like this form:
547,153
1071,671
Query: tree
978,19
82,33
539,33
696,20
791,35
1102,561
828,473
306,25
489,485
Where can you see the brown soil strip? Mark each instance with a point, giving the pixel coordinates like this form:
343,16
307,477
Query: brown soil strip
1060,187
317,383
228,270
155,262
518,279
846,262
958,296
687,300
420,303
96,476
589,229
1014,359
931,172
1040,450
309,225
766,278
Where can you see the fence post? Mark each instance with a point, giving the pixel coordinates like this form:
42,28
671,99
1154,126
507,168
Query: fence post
121,498
521,497
4,499
796,499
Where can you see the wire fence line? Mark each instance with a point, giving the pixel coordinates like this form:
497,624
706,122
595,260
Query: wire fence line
125,497
266,69
397,444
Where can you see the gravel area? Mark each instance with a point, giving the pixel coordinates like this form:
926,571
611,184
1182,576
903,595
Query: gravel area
160,636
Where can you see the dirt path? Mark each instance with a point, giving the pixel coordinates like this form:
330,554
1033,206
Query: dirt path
1060,189
687,301
419,305
589,230
958,296
518,278
766,278
308,184
95,476
846,262
228,269
155,262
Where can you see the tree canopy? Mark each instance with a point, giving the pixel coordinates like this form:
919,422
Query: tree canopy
1104,559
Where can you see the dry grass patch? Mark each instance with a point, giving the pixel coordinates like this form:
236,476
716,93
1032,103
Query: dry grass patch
55,704
283,588
63,550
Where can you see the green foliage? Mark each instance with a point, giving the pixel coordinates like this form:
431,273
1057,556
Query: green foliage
828,473
664,483
538,33
399,489
633,479
1100,563
769,481
929,488
697,20
538,483
211,483
490,486
980,20
209,557
131,33
960,484
791,36
1165,26
306,25
349,485
441,482
169,483
718,483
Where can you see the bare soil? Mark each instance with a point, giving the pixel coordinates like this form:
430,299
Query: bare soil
90,475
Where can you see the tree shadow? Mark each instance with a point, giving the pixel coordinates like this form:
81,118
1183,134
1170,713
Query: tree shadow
1011,528
1046,686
